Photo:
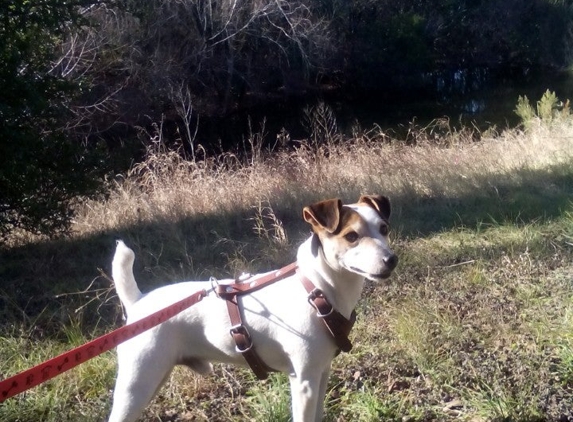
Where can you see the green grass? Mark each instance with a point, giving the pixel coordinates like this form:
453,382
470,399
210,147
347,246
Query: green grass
270,401
64,398
476,324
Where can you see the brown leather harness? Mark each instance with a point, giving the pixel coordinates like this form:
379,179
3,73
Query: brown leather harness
338,325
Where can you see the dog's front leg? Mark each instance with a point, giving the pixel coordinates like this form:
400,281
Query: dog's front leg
322,394
308,392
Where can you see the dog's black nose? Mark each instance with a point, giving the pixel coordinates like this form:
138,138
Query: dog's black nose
391,261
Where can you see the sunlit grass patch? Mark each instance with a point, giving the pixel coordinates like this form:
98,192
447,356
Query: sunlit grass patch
564,370
372,402
270,400
481,314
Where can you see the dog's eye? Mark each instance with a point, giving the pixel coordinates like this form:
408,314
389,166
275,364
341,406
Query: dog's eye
351,237
384,230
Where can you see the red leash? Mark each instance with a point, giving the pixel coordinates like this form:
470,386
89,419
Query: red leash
336,323
68,360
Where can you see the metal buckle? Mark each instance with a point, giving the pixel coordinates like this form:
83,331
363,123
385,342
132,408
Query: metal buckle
318,314
316,293
241,329
310,299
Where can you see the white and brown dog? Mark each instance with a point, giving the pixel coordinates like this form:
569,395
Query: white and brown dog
349,245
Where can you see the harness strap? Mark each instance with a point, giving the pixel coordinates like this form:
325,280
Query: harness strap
240,333
252,284
244,342
335,322
338,326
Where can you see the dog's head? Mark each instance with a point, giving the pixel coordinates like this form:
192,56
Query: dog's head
354,237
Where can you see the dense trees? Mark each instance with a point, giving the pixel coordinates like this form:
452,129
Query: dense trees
82,76
220,55
398,41
41,170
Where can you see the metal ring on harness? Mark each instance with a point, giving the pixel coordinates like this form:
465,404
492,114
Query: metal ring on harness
214,286
240,329
315,294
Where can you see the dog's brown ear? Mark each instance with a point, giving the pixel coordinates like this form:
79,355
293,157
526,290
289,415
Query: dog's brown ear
379,203
324,214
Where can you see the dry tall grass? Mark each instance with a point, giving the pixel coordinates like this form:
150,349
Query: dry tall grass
443,163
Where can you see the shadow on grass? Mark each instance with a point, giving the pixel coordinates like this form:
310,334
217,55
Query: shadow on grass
520,198
47,284
43,286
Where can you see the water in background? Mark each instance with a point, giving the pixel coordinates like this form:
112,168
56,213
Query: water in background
472,97
477,97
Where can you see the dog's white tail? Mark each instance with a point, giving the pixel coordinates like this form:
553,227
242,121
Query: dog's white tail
122,272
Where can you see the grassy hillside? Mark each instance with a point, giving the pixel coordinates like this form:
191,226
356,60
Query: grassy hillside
476,324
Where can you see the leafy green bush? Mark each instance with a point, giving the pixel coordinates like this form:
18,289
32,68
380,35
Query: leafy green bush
41,167
549,108
546,105
524,110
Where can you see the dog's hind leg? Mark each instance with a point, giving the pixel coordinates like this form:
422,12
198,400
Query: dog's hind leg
138,381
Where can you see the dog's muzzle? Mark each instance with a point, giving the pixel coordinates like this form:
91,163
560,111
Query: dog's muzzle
390,262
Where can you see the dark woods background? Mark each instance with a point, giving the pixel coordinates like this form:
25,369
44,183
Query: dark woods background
86,86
